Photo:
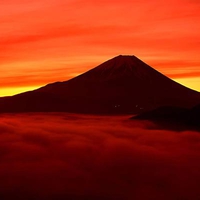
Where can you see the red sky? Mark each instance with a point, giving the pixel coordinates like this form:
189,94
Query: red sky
43,41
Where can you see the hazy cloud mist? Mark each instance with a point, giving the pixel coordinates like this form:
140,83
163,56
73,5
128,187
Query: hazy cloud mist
61,156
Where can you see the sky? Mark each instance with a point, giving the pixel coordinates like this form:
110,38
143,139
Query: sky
43,41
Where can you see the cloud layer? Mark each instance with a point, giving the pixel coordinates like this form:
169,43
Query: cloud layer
63,156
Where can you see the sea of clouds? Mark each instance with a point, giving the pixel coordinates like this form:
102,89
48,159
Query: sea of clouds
84,157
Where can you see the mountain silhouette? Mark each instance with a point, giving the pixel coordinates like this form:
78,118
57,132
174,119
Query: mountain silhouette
169,117
121,85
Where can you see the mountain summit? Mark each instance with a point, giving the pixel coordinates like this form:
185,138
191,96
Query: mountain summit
121,85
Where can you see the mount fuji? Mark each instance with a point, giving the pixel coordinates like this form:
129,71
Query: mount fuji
121,85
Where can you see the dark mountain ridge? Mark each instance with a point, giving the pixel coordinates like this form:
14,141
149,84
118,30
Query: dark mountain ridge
121,85
169,117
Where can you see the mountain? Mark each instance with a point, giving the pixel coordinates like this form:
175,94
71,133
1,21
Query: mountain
164,113
121,85
170,117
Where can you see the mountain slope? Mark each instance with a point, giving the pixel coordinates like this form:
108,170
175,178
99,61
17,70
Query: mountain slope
121,85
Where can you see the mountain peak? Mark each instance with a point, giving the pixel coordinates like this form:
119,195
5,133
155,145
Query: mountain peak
125,58
129,61
119,66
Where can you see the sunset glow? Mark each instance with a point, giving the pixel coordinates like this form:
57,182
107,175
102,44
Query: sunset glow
47,41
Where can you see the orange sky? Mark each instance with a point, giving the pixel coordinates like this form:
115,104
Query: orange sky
43,41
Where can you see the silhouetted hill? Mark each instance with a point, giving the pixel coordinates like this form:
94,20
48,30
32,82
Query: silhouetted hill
165,112
173,117
194,116
122,85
